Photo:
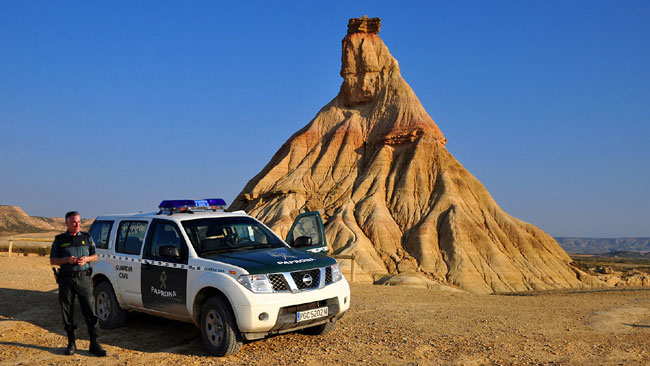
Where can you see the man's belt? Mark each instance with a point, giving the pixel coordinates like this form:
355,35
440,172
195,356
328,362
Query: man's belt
75,274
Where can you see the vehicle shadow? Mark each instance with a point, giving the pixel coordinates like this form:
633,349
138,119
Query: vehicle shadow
142,332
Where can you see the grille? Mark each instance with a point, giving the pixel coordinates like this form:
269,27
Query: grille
298,278
302,307
328,274
278,282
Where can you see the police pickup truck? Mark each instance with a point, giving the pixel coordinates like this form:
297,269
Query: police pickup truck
225,272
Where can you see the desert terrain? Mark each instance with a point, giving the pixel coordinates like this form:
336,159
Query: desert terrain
385,326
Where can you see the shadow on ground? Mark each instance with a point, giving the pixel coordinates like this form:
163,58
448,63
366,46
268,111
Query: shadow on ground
53,350
143,333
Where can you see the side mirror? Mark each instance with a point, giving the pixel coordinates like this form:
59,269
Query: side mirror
302,241
169,251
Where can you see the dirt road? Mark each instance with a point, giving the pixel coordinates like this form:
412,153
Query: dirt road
385,326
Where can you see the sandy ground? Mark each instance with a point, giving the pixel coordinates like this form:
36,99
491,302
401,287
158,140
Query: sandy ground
385,326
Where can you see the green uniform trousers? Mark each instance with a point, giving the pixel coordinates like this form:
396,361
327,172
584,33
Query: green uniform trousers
81,286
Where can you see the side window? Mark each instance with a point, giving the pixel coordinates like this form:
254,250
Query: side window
307,226
130,236
164,234
99,231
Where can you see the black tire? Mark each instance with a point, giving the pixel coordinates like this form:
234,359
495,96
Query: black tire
108,310
221,336
322,328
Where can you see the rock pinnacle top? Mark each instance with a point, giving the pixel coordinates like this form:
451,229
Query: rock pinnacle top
372,78
364,25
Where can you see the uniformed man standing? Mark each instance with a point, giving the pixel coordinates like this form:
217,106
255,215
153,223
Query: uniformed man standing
73,251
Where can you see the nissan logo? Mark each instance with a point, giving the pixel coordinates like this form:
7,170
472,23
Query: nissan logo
306,279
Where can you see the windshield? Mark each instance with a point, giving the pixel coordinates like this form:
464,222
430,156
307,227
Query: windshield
227,234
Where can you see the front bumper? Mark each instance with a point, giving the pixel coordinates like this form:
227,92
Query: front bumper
286,318
276,313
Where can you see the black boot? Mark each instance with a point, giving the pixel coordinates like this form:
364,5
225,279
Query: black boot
72,347
95,347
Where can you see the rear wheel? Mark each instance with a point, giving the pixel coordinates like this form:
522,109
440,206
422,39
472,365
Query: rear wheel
322,328
108,310
221,336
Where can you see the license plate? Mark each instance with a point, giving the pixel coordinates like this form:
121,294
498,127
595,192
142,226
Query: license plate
311,314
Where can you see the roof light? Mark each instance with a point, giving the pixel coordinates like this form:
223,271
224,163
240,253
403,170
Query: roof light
172,206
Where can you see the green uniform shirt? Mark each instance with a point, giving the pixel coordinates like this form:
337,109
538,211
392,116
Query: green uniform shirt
66,245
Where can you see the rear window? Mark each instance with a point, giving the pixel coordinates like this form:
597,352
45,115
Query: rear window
100,231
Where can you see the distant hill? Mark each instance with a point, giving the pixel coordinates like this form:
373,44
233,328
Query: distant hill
603,245
13,220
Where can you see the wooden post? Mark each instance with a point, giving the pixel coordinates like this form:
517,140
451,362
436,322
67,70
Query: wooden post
351,258
10,244
352,269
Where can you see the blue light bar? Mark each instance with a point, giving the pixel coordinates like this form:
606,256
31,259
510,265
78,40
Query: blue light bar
190,205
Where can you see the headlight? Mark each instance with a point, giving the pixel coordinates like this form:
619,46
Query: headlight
336,272
258,284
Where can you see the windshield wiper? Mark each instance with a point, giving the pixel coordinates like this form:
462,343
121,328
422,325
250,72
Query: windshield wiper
259,246
241,248
216,251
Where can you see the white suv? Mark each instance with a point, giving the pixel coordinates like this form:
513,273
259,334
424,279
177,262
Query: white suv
225,272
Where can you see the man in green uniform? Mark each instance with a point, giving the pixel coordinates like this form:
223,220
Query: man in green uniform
73,251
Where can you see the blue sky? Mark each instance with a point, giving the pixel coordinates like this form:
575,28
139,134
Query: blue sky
111,107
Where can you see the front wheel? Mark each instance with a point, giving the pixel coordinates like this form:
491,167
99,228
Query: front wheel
108,310
219,330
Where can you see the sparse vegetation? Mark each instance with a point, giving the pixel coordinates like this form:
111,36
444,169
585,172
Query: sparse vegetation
622,264
42,251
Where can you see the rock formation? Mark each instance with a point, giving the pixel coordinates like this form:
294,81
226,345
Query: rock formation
375,163
626,279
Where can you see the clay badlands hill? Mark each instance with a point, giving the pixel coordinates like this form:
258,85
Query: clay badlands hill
376,164
13,220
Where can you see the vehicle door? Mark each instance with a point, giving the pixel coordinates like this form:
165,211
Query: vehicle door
128,246
164,269
308,233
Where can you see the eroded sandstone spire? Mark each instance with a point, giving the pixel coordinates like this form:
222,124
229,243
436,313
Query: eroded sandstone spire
376,164
364,25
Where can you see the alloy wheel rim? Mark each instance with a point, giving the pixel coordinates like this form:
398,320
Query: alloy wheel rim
103,305
214,327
